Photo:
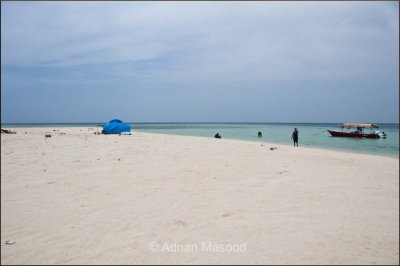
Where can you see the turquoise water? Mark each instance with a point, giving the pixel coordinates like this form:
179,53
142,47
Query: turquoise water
310,135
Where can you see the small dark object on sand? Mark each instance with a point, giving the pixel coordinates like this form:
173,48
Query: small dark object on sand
48,136
6,131
272,148
9,242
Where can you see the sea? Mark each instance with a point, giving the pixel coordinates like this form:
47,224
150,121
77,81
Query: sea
313,135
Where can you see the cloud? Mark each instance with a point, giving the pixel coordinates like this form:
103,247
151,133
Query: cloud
248,40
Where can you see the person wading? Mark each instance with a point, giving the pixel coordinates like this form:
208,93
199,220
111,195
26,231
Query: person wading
295,137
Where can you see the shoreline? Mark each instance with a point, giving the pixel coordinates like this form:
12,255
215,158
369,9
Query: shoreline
81,198
50,130
280,144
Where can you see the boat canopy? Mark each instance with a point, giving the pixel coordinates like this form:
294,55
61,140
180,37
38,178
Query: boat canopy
356,125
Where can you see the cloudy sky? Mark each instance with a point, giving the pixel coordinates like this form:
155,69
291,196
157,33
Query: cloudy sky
199,61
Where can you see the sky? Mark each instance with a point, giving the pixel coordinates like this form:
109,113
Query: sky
199,61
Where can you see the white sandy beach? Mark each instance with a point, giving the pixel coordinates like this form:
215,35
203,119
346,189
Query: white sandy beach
81,198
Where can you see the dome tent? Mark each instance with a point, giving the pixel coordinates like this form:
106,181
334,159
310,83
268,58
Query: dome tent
116,126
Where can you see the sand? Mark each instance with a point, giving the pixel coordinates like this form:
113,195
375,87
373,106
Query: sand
80,198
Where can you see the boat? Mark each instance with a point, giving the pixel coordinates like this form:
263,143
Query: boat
359,132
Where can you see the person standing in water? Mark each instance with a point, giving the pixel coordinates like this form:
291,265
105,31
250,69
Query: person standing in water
295,137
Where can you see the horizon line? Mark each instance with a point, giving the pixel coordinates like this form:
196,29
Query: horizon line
186,122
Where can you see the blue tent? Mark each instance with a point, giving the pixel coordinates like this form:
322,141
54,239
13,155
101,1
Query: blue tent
116,126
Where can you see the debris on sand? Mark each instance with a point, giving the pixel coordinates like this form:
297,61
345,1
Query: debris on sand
273,148
6,131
